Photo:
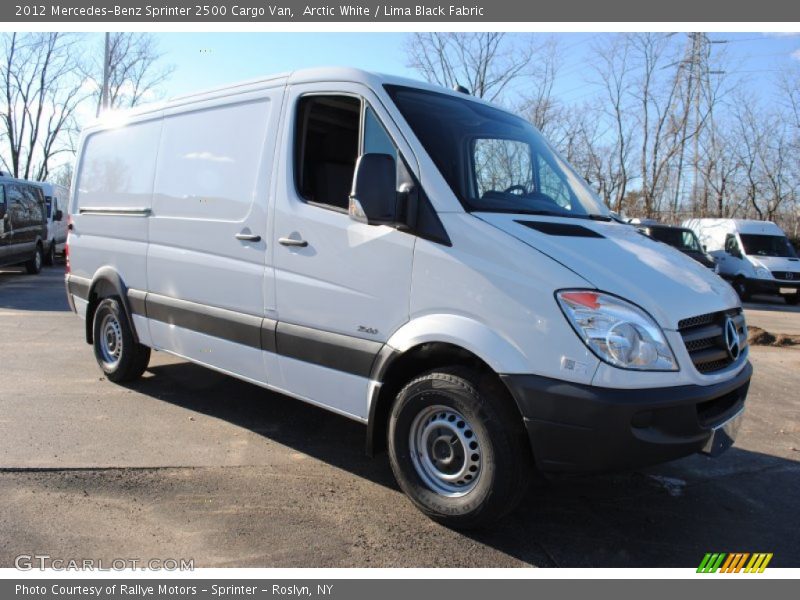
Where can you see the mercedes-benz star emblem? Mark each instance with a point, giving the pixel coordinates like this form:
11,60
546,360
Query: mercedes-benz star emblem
789,275
731,339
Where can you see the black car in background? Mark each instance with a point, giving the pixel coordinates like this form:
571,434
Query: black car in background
681,238
23,224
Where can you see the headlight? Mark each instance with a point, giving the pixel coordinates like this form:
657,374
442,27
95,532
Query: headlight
763,273
617,331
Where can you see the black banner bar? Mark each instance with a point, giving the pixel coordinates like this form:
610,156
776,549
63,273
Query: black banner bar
731,588
408,11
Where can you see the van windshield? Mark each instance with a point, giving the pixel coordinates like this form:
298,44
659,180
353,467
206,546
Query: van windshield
767,245
492,160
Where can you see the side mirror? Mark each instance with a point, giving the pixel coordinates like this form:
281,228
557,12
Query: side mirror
374,199
59,214
704,248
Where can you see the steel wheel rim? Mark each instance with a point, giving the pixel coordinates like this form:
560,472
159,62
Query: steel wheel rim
37,259
110,340
445,451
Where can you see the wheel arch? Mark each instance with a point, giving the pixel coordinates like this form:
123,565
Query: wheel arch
107,282
431,342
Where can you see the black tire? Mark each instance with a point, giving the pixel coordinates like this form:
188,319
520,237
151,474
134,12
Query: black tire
740,287
494,434
50,255
119,355
34,265
792,299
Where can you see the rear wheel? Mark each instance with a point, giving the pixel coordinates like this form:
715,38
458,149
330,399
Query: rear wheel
458,448
50,255
115,348
34,265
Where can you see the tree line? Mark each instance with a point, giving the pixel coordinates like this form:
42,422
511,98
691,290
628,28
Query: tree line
52,82
666,127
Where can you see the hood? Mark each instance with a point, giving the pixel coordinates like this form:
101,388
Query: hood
775,263
616,258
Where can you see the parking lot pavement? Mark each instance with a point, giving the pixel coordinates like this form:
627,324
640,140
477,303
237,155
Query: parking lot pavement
188,463
772,314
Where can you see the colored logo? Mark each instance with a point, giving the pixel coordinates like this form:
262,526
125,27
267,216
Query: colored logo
735,562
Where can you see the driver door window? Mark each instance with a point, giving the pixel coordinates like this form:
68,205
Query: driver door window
331,133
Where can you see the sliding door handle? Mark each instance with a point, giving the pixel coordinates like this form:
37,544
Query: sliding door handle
287,241
248,237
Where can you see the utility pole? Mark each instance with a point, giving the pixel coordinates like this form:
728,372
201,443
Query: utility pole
106,68
690,69
695,67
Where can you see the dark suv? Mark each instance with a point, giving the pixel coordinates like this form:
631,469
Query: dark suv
683,239
23,224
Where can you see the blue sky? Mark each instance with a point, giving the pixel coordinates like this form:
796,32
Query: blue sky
203,60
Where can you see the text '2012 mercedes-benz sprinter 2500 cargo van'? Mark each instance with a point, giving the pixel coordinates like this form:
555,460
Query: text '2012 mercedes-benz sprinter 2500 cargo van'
411,258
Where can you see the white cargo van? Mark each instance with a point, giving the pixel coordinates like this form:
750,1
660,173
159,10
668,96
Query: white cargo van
755,256
56,198
411,258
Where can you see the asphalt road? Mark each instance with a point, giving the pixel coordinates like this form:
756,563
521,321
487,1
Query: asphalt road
188,463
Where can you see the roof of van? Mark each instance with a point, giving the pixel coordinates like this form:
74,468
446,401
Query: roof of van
10,179
741,225
321,74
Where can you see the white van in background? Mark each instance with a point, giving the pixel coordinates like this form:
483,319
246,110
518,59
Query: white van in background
414,259
56,198
755,256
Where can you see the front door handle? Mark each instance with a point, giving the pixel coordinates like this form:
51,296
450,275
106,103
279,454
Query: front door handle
248,237
287,241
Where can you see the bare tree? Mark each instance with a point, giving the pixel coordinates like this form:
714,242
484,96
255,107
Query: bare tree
719,171
613,70
134,72
487,63
539,104
41,91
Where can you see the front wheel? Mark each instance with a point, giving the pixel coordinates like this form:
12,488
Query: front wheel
792,299
115,348
458,449
34,265
740,287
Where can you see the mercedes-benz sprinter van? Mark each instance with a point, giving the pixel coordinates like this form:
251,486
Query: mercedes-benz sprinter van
55,199
755,256
414,259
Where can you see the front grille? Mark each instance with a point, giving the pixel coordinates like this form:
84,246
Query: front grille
704,338
786,275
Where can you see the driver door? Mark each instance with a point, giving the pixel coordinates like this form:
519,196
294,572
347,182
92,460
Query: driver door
342,287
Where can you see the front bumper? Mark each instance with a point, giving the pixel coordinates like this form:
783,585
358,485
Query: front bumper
771,286
581,428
